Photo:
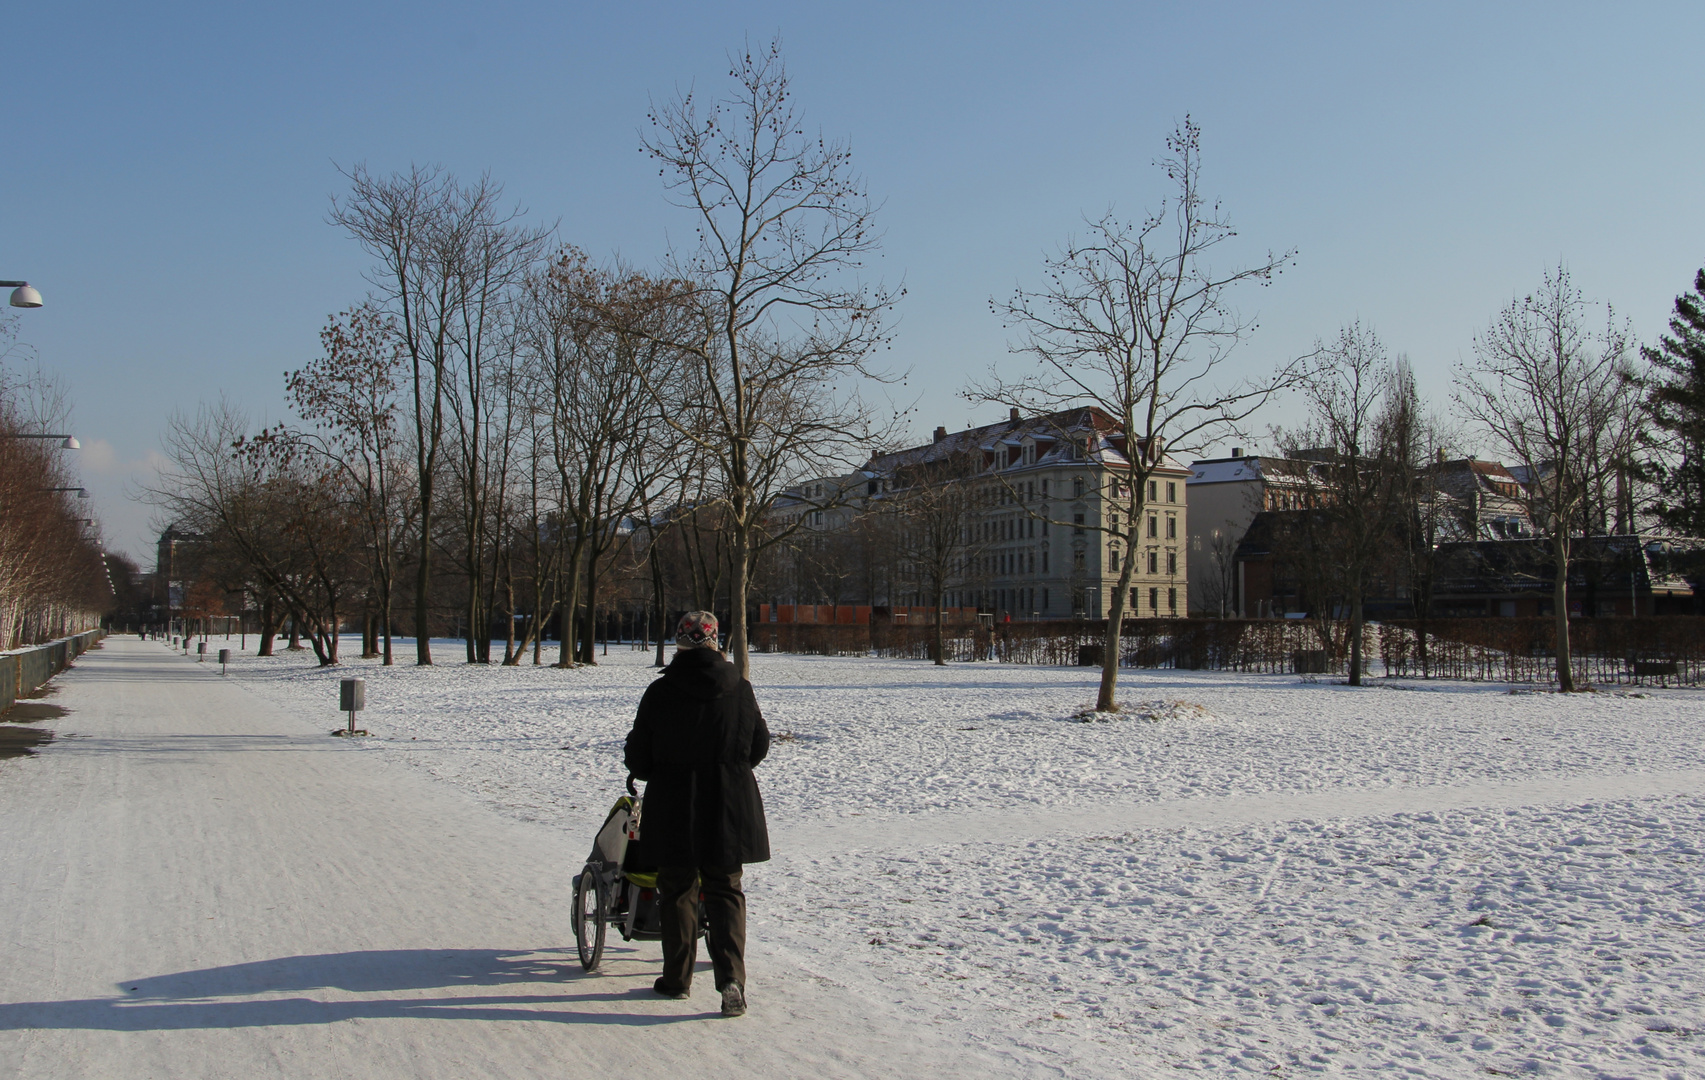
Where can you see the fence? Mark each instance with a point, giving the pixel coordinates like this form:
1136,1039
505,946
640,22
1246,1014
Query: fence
1249,645
1669,650
24,670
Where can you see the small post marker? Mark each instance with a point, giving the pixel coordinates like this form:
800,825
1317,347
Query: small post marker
224,658
352,698
200,652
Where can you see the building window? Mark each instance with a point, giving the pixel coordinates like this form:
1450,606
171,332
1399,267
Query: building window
1077,524
1077,487
1044,522
1044,489
1171,492
1044,597
1152,496
1154,566
1113,559
1154,525
1172,562
1171,527
817,518
1154,599
1077,560
1032,562
1044,570
1172,600
1136,601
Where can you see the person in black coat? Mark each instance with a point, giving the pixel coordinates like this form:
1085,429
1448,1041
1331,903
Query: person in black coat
694,742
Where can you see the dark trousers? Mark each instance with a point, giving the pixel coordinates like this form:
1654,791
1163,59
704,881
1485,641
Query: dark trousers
678,889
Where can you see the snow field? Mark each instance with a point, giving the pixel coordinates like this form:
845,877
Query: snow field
1554,942
1555,939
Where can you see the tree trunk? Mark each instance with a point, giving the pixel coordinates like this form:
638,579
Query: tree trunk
939,643
1560,606
268,628
1355,634
571,607
737,600
1106,696
588,654
657,599
385,615
423,581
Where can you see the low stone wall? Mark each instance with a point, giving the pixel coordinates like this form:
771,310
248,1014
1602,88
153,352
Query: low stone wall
26,669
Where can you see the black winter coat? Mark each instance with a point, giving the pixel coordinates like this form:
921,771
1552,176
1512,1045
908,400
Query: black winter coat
694,742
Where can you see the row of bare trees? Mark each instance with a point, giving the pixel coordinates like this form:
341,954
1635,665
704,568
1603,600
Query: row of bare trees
1552,390
503,421
52,576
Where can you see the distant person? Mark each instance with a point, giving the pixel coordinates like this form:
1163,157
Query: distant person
694,742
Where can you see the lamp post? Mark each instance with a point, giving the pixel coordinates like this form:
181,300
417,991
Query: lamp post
82,492
70,441
23,294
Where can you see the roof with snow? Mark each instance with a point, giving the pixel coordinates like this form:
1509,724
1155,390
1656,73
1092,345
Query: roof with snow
1070,435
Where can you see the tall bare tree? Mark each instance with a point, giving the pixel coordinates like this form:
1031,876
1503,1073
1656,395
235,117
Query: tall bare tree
349,395
786,327
1133,320
1357,403
443,253
1551,393
935,509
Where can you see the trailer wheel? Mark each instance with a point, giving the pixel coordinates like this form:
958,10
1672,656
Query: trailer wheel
591,915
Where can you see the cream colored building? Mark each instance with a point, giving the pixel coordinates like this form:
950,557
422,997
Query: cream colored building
1033,548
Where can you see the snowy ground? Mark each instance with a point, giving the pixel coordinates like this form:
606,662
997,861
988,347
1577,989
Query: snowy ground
1426,879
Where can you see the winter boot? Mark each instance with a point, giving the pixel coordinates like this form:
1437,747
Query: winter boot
733,1000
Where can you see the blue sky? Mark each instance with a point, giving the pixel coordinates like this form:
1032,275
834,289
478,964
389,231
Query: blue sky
168,167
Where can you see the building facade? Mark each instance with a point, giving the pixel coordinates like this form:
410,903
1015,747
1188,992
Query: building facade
1033,493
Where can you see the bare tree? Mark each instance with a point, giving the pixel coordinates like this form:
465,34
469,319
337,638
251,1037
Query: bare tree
1357,414
934,505
1550,392
786,329
1133,320
349,394
596,336
51,578
289,518
444,252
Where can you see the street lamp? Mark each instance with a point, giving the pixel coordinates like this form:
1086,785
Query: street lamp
82,493
23,294
70,442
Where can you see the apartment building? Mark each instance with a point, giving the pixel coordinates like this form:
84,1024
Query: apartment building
1030,546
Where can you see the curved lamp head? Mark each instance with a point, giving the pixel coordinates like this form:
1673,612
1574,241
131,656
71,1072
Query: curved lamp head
82,493
71,443
25,296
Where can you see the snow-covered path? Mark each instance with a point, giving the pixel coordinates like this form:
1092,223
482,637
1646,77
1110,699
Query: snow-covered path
1283,877
198,884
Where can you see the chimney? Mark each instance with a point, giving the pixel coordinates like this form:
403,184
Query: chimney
1237,451
940,434
1014,415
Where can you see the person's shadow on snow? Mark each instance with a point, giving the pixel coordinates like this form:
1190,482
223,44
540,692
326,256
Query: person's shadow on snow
475,977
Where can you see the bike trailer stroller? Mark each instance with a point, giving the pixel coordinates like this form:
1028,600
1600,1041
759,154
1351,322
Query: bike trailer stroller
618,885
